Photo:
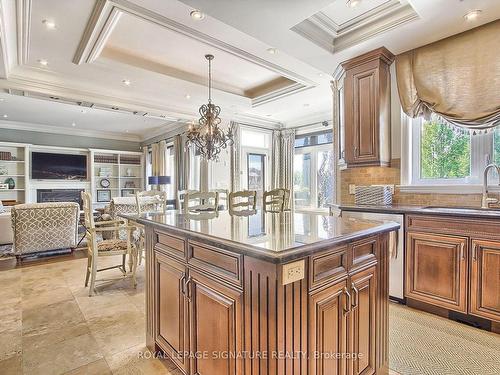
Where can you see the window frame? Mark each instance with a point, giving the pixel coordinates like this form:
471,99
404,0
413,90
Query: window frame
481,148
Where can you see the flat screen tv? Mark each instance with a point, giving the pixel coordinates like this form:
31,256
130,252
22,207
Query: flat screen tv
46,166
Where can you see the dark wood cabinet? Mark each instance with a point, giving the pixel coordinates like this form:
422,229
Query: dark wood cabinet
172,330
328,311
220,312
485,279
436,270
367,107
216,326
362,318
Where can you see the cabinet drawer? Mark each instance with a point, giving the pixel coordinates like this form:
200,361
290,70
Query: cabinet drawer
327,267
217,262
171,245
364,252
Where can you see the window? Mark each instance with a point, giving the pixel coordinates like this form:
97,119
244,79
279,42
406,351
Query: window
313,170
443,155
194,170
255,172
254,159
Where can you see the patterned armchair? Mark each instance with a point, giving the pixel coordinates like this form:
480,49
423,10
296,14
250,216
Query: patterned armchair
42,227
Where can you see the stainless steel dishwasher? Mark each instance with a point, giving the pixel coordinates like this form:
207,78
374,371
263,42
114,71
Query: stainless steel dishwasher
396,262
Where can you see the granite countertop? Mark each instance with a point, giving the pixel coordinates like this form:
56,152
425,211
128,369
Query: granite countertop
275,237
491,213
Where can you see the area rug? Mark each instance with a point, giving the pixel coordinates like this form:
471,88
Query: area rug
422,343
6,251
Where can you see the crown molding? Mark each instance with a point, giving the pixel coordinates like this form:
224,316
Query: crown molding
326,33
23,19
278,94
106,14
253,120
61,130
310,120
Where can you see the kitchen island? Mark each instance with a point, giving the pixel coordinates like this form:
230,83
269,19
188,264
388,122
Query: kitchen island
267,293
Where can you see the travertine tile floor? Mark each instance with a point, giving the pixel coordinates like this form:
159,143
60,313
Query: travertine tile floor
49,325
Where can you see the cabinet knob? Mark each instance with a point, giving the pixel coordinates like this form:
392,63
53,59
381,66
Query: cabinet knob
188,288
183,284
474,252
462,254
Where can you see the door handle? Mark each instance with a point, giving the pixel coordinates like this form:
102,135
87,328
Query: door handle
188,288
474,252
183,284
355,296
348,301
462,255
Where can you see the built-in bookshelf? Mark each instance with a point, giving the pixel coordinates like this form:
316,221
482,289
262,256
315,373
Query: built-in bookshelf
14,173
115,174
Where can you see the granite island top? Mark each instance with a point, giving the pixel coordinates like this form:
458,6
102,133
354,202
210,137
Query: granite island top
275,237
477,212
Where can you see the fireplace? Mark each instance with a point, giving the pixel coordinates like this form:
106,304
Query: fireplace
59,195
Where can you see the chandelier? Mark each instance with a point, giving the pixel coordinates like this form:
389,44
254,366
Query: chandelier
206,136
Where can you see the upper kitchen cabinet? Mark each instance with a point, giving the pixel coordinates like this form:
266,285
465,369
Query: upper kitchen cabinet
367,109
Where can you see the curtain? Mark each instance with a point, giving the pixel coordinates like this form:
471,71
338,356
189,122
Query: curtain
235,152
283,152
458,78
276,159
159,160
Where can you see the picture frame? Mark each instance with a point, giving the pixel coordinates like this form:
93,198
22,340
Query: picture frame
128,192
103,195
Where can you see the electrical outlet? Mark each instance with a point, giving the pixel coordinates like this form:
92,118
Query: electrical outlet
352,189
294,271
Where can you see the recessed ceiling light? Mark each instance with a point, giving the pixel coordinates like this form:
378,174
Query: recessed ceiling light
126,131
320,74
472,15
5,116
353,3
187,96
83,111
43,62
306,104
49,24
126,82
73,124
272,51
197,15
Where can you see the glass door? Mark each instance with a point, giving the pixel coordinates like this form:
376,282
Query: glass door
256,173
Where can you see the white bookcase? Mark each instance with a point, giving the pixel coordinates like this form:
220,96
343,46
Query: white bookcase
17,169
123,169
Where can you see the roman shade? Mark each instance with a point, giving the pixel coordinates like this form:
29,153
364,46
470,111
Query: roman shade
458,78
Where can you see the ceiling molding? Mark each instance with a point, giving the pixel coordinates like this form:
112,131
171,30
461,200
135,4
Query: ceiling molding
19,82
326,33
104,18
102,21
3,46
61,130
249,119
23,19
278,94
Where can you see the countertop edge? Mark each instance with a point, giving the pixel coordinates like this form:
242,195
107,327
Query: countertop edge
257,252
418,210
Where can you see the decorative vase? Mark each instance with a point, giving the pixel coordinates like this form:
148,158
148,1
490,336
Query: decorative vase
129,172
11,182
3,170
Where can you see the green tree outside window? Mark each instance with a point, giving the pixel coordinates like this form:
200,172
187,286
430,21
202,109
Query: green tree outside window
444,153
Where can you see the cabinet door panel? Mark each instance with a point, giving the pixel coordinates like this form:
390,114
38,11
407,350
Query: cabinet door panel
485,279
216,326
436,270
363,330
172,310
327,330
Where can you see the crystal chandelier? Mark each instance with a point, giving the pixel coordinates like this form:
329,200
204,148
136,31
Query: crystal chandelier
206,136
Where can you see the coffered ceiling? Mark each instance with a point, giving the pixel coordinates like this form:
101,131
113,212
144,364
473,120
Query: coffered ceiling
142,61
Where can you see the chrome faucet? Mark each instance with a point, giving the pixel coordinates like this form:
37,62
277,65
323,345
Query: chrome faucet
487,200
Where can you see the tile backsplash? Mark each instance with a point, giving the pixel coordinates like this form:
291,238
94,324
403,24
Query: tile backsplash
391,176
